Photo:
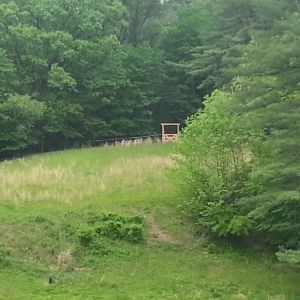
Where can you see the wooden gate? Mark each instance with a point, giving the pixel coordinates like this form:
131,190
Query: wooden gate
166,135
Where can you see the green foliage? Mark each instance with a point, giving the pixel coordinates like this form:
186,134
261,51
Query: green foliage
85,234
120,68
111,226
7,73
80,59
215,164
18,117
59,78
99,69
289,256
258,127
268,96
142,17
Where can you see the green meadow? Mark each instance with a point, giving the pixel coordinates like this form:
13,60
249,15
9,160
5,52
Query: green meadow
104,223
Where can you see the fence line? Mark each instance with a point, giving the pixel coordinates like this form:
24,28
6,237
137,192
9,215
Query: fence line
111,141
130,138
81,144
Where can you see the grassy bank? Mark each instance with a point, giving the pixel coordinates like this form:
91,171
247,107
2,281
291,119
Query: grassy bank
67,222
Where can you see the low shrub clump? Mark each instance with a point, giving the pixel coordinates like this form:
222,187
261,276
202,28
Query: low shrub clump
111,226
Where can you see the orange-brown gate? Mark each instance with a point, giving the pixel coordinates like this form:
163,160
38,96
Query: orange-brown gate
168,136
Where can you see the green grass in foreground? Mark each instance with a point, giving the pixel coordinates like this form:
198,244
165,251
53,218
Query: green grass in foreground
45,199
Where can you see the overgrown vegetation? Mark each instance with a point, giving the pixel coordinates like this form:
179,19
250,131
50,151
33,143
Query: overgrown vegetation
240,155
111,226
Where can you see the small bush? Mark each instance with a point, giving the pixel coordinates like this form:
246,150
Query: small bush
133,232
85,234
94,227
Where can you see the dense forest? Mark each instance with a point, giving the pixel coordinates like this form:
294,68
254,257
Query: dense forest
76,70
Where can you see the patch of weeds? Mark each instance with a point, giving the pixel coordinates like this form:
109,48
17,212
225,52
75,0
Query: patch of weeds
65,259
4,253
86,234
289,256
111,226
90,240
40,219
47,238
119,230
96,234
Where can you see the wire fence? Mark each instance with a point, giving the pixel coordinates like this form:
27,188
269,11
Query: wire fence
153,138
45,147
133,139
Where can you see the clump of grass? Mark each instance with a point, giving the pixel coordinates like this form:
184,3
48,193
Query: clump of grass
4,254
65,259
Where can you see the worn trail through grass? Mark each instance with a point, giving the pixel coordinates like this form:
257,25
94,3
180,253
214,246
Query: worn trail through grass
70,225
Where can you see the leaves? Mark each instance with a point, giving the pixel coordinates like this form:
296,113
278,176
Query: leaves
18,116
59,78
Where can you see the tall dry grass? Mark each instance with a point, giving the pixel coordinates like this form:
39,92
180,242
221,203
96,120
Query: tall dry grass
26,182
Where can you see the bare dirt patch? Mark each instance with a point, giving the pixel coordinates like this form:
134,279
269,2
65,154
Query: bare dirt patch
158,233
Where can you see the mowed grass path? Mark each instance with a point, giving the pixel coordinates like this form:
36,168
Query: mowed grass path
39,193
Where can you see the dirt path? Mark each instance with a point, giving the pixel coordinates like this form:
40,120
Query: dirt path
157,233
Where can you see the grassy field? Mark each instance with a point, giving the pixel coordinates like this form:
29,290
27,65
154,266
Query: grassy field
49,248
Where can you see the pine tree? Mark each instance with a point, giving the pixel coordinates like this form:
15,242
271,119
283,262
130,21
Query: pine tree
268,96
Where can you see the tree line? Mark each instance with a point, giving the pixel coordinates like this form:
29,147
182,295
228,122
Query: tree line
75,70
239,158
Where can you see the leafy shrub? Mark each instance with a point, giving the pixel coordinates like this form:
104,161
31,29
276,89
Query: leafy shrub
133,232
214,166
85,234
111,226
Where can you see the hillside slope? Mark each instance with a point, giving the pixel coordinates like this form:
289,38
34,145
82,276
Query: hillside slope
104,224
